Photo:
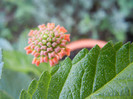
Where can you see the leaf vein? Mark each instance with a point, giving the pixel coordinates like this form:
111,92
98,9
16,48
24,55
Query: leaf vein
81,81
109,81
95,72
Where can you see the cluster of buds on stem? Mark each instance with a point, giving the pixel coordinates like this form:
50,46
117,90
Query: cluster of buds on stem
48,44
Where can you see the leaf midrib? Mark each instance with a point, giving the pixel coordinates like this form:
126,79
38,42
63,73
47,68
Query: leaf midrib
81,80
65,81
95,71
110,80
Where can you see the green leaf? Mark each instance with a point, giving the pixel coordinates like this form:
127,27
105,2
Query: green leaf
98,73
117,45
60,75
37,90
32,87
43,85
4,95
25,95
114,97
120,85
13,82
1,63
19,61
123,57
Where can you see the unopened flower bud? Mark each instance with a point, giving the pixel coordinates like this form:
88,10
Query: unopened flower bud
48,44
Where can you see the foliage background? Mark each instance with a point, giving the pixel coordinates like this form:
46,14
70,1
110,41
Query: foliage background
97,19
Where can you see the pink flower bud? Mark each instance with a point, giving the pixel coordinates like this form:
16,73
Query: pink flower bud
44,47
40,43
57,49
44,41
49,49
41,53
31,33
54,44
48,44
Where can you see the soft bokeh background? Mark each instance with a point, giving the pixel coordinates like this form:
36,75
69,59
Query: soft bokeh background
97,19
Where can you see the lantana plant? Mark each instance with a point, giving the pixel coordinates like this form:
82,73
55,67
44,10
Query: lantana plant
48,44
100,73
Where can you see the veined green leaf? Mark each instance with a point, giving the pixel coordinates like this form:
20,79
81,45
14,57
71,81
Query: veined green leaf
25,95
32,87
98,73
58,79
42,88
117,45
120,85
37,90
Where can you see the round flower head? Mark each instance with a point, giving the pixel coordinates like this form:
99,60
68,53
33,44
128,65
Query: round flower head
48,44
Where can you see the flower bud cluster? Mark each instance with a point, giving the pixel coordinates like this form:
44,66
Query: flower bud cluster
48,44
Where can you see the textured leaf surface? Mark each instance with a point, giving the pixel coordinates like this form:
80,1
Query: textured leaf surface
98,73
37,90
1,63
120,85
25,95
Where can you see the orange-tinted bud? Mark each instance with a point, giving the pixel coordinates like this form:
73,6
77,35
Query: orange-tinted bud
31,33
36,54
48,44
68,51
34,61
37,63
41,59
55,60
51,62
26,48
67,37
46,59
62,29
29,51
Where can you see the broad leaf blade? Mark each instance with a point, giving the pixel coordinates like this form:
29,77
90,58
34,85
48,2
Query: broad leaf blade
117,45
114,97
37,90
92,74
105,67
33,86
25,95
42,88
131,53
58,79
121,85
123,57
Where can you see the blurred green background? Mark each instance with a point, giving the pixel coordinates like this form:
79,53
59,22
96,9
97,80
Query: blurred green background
96,19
